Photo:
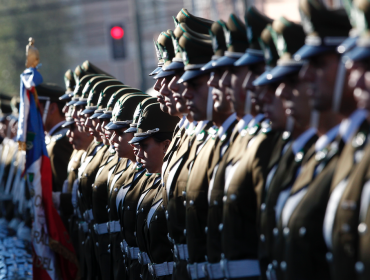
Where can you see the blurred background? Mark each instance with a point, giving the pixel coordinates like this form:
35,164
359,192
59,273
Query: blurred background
115,35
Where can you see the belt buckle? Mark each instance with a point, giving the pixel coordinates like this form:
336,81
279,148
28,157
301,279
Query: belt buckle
108,227
122,247
205,270
151,270
224,268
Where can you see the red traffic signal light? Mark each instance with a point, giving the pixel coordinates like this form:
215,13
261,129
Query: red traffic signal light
117,32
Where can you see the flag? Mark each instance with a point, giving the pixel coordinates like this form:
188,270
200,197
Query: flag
54,256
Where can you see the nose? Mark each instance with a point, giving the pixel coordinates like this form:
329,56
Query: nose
307,73
187,94
282,91
173,86
140,153
65,109
225,80
164,89
157,85
213,80
248,82
98,127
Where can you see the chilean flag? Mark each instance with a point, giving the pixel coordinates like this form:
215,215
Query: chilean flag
54,257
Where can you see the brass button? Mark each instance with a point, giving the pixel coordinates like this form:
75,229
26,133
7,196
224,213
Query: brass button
262,238
191,202
275,231
283,265
359,266
220,227
362,228
329,256
286,231
302,231
263,207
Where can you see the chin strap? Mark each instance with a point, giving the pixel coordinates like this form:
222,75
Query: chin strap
248,103
46,110
339,83
289,124
314,121
210,103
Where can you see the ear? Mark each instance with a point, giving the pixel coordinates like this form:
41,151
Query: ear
166,144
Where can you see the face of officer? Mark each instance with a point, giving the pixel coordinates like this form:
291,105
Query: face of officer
160,98
97,123
321,74
177,91
196,95
221,99
151,153
3,127
77,118
79,140
272,106
359,82
120,140
168,97
89,125
296,101
254,72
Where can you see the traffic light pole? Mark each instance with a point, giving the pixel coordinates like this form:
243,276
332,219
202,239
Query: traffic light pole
138,32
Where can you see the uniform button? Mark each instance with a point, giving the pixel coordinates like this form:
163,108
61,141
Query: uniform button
106,206
215,202
302,231
191,202
185,203
108,250
174,264
95,187
275,231
83,242
329,256
220,227
137,212
359,266
233,196
346,227
115,189
185,232
92,185
128,207
156,217
263,207
123,208
142,209
224,198
108,245
85,174
206,230
183,193
362,228
97,243
262,238
286,231
121,228
108,210
275,263
283,265
135,233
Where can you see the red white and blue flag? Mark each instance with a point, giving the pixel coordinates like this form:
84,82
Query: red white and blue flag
54,256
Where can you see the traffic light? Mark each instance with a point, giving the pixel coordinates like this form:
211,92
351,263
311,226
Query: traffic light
117,34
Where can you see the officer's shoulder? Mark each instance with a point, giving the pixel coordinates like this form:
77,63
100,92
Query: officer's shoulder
59,135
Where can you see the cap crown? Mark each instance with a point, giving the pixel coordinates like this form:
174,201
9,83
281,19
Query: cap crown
90,84
268,47
78,74
153,118
88,67
125,107
200,25
255,23
195,51
98,90
107,93
69,81
140,106
165,46
235,35
49,91
118,94
317,20
288,37
81,85
218,37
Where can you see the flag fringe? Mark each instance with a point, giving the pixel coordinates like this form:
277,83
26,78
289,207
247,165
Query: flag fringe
63,251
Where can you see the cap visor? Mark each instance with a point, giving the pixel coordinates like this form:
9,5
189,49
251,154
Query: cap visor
68,123
95,115
105,116
88,111
358,53
175,65
65,97
81,103
249,59
277,74
308,51
347,45
224,61
155,71
131,129
190,74
209,66
114,126
137,139
163,74
72,102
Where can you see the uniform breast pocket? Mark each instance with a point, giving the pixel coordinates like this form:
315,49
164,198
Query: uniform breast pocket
196,213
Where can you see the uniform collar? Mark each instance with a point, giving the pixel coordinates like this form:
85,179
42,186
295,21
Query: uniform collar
191,127
199,127
256,119
302,139
327,138
244,121
225,126
182,121
55,127
349,126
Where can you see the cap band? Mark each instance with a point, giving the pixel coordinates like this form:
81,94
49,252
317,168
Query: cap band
210,103
234,54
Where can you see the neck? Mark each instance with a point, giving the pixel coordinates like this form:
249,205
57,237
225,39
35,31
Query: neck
298,130
97,139
189,118
86,143
327,120
219,118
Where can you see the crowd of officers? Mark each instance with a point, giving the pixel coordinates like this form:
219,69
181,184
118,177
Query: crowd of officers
252,162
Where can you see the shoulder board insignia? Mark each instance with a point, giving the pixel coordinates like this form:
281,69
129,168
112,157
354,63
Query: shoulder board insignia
253,130
201,135
299,156
223,137
359,140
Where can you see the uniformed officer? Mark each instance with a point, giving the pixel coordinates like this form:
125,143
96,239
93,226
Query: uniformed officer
300,249
154,133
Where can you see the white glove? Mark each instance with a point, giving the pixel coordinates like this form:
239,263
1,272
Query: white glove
56,199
